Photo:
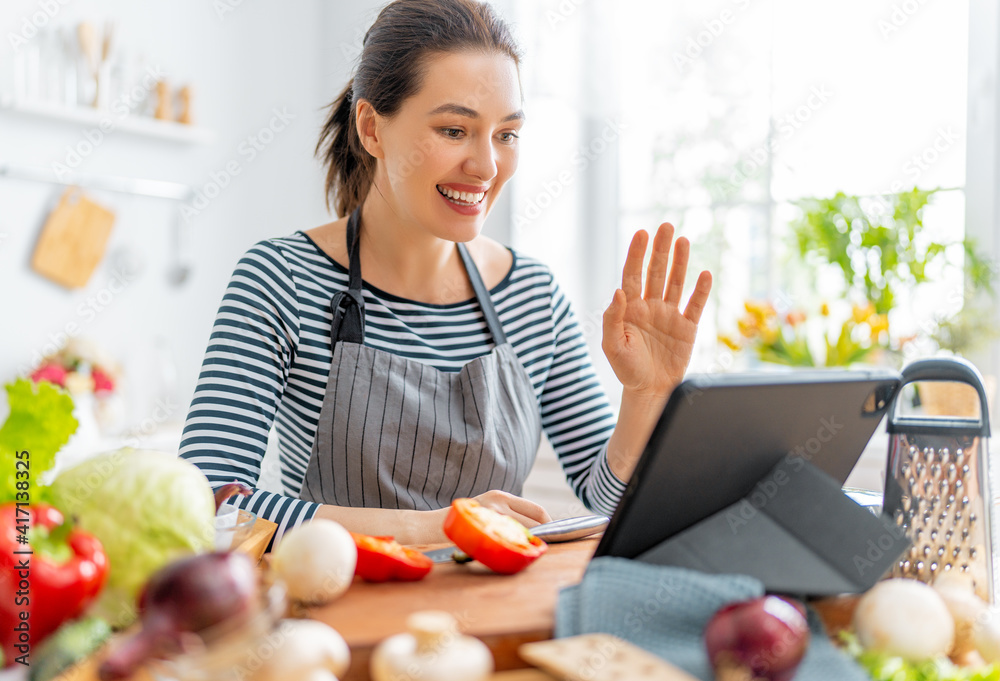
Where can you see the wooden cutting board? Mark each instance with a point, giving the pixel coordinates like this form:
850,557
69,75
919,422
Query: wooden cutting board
73,240
260,536
503,611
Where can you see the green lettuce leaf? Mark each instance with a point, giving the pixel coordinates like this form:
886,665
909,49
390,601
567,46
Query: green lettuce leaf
40,422
883,667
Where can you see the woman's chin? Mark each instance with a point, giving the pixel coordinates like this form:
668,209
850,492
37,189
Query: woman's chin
459,228
461,233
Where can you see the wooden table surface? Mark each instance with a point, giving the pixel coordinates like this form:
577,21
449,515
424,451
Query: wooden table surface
503,611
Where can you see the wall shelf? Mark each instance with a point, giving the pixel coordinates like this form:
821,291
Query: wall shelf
136,125
124,185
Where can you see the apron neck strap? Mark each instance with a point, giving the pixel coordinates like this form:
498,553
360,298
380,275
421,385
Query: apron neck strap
354,250
482,294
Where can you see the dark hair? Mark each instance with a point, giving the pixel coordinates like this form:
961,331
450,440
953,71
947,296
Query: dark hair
393,56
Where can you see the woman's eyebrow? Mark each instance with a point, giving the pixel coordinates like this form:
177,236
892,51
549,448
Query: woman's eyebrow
460,110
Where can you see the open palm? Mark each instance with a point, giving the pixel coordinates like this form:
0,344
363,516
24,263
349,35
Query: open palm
647,339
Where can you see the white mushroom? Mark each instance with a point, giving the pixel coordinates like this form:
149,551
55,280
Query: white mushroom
433,650
307,650
316,561
966,609
906,618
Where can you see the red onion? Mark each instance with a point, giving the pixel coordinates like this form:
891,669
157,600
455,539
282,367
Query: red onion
764,638
186,597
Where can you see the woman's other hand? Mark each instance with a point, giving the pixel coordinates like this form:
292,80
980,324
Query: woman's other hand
528,513
647,339
428,526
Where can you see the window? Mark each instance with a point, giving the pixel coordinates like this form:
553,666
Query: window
716,116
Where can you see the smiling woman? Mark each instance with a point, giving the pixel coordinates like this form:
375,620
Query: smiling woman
432,376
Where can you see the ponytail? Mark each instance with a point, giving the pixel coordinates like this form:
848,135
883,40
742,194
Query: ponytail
350,168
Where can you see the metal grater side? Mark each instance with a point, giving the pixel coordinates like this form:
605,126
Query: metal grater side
941,510
937,483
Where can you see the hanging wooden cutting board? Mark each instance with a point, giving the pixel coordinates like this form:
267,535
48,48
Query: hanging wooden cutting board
73,240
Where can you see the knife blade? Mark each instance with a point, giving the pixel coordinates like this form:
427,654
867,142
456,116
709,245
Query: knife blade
566,529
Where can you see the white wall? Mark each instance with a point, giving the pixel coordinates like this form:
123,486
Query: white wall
983,160
244,64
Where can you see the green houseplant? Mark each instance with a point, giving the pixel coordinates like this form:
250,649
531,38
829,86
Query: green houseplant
879,247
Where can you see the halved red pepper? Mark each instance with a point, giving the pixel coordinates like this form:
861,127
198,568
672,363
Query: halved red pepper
64,572
383,559
497,541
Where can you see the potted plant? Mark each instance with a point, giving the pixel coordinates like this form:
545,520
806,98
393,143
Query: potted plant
878,247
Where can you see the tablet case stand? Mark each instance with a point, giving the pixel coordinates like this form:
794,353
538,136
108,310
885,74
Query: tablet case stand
796,531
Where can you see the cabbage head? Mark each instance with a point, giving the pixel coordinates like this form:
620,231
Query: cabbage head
147,508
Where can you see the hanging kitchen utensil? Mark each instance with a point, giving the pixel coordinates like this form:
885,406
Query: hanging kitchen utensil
73,240
180,266
937,486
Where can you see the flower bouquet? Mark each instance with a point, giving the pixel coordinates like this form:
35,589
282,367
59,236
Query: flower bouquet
795,338
91,377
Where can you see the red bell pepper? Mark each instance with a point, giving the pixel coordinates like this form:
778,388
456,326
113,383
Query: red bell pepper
381,559
62,575
497,541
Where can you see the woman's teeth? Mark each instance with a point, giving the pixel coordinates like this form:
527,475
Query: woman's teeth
461,198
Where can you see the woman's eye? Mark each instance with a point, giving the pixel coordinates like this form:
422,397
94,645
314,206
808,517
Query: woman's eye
508,137
453,133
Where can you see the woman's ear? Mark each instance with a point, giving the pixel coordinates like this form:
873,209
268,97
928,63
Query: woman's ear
367,121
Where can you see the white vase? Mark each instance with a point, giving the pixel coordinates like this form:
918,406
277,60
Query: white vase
84,443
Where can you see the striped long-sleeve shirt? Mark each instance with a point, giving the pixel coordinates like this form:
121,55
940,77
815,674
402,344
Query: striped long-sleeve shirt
270,352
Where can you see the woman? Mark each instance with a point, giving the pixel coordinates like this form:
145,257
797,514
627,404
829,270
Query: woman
431,376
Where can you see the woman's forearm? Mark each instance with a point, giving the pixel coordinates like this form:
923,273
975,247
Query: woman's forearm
408,527
636,420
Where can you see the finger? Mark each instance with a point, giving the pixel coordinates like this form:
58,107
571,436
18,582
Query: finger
632,272
678,271
614,318
696,305
656,274
523,519
534,513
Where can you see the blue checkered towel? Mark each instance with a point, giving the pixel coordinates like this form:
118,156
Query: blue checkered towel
665,610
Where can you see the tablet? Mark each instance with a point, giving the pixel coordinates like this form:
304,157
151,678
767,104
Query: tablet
720,434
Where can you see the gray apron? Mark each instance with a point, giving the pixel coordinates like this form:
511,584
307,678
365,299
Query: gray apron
396,433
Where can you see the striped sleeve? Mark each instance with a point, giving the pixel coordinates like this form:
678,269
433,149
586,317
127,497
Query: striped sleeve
576,415
242,380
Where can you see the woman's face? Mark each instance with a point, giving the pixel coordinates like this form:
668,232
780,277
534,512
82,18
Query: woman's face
448,151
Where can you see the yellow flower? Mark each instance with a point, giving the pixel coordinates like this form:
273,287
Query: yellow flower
878,324
748,326
824,310
769,335
77,383
730,342
859,314
760,311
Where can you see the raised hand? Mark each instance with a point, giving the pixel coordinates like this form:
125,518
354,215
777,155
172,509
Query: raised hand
647,339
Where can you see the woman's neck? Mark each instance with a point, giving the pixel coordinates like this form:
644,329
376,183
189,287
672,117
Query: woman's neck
402,258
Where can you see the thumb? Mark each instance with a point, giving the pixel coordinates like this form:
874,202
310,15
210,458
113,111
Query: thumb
614,317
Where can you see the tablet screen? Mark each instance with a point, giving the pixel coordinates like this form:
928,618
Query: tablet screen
720,434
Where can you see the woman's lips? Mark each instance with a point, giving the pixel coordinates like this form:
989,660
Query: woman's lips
463,203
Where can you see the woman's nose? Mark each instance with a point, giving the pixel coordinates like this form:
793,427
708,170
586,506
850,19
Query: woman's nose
481,162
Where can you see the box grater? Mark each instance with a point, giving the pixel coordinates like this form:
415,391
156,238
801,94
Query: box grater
937,486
